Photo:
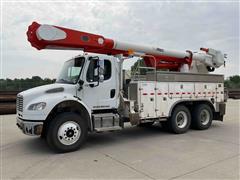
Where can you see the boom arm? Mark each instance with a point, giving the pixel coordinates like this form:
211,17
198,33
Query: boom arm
54,37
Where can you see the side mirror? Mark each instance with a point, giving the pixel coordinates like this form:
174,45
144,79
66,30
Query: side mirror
101,70
80,82
101,78
98,71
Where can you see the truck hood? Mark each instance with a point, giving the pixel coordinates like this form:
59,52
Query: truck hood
50,88
47,93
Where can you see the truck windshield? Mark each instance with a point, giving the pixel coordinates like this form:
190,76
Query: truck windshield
71,71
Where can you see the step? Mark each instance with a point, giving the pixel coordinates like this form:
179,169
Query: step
113,128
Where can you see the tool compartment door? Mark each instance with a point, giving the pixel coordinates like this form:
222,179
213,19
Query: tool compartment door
161,99
209,89
199,90
219,92
147,100
181,89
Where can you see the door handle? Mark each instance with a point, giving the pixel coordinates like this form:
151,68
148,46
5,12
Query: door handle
112,93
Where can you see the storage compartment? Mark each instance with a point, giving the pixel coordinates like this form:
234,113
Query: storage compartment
105,120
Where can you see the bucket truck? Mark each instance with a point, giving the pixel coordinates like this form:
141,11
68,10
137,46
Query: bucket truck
91,94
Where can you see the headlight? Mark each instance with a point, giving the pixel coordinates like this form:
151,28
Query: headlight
37,106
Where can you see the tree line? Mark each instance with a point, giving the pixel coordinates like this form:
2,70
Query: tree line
233,82
23,84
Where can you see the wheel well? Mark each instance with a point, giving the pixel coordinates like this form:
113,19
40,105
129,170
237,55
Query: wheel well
68,106
191,104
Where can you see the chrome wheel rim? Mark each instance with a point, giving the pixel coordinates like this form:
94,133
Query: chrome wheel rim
181,119
204,117
69,133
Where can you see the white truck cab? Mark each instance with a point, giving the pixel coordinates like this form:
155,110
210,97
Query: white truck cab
86,84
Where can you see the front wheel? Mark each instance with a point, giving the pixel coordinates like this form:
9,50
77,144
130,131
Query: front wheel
67,132
180,120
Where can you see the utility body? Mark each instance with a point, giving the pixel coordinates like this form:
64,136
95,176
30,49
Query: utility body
92,93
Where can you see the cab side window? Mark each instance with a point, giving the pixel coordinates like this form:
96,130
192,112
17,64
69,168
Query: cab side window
92,73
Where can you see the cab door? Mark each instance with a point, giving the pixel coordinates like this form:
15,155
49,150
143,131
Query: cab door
99,92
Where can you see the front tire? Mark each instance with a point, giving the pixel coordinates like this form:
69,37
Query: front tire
202,117
180,120
67,132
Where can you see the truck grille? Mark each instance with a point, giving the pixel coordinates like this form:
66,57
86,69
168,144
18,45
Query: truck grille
20,103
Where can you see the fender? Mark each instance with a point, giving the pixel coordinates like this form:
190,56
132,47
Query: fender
75,104
52,101
185,101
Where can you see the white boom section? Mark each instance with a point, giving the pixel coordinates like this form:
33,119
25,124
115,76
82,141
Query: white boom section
212,57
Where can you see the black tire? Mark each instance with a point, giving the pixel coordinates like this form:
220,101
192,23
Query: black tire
164,125
202,116
44,131
147,124
180,120
70,128
43,135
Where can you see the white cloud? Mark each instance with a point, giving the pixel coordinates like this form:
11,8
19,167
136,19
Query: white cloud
176,26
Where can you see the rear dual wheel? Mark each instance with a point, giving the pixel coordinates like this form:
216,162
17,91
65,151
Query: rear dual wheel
180,120
202,116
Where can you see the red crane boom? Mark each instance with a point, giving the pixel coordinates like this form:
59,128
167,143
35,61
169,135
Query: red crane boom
55,37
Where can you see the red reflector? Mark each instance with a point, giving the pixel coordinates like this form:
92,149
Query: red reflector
151,93
159,93
144,94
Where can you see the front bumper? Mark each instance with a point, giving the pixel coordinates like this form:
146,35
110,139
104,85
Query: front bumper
30,127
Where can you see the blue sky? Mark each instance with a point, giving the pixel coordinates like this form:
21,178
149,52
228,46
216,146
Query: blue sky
175,26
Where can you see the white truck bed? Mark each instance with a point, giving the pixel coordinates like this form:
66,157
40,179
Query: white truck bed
156,95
